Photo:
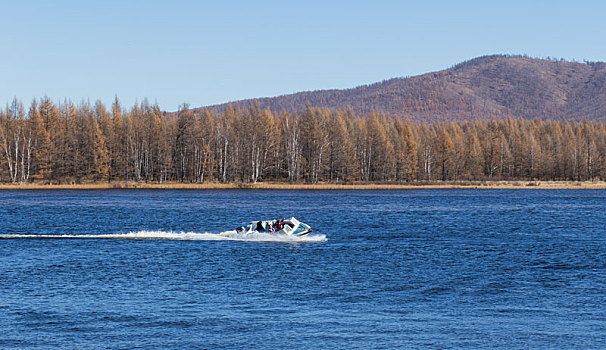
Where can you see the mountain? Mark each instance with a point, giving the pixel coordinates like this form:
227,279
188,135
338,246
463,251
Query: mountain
488,87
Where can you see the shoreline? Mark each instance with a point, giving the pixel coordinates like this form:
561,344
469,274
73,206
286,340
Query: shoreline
322,186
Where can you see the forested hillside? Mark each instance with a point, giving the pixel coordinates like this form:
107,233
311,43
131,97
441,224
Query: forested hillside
49,143
486,88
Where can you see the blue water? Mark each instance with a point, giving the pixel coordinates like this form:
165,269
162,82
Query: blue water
383,269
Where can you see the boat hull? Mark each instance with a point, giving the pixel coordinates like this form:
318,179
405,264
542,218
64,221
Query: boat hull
290,227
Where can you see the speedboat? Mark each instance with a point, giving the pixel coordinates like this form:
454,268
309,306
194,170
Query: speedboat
291,227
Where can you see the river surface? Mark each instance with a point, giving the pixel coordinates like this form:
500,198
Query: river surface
124,269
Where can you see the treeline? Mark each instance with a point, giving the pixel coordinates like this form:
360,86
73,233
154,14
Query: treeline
62,143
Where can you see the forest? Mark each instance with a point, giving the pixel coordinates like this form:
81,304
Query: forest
61,143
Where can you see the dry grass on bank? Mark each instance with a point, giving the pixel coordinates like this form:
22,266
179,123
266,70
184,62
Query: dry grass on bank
321,186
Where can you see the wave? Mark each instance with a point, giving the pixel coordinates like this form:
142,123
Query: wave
183,236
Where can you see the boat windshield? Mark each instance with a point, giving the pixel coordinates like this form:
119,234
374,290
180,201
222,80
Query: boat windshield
302,228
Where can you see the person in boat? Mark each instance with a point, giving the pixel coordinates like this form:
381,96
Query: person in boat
270,228
260,226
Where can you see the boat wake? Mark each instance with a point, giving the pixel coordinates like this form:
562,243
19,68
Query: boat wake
183,236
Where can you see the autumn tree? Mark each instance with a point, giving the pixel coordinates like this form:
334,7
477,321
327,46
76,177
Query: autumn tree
65,143
342,165
314,140
13,139
117,143
41,145
405,151
444,152
473,161
426,151
292,145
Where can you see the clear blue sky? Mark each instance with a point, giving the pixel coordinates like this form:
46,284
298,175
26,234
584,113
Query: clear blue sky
217,51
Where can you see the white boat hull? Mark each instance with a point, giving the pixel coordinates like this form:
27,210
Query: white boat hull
291,227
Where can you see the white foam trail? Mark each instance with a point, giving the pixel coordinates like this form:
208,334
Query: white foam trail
185,236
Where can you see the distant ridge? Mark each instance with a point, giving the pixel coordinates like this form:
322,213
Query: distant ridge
487,87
